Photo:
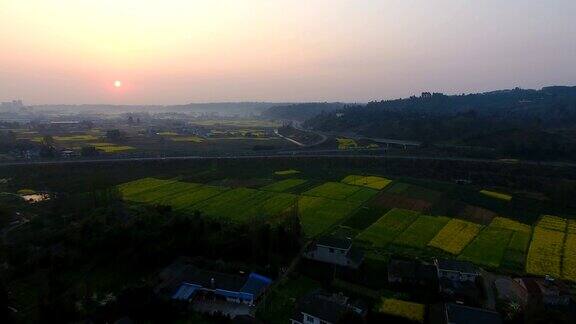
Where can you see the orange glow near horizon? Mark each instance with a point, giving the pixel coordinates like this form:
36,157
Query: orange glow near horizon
178,51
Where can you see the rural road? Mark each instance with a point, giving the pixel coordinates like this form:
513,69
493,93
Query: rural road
279,155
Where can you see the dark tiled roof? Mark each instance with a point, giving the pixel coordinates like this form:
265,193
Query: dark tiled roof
321,305
412,270
456,265
459,314
335,242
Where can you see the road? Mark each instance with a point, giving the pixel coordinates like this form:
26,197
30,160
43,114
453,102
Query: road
281,155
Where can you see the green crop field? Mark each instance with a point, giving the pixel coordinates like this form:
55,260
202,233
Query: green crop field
373,182
79,138
241,204
515,255
365,217
488,247
362,195
421,231
186,200
318,214
162,191
340,191
387,228
131,188
332,190
455,236
284,185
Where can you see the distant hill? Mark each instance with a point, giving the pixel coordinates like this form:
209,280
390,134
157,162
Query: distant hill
531,123
301,111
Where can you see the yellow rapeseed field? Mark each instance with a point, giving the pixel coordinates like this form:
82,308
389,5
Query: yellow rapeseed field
545,253
454,237
404,309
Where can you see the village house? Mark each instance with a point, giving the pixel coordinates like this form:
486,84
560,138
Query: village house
210,291
456,270
334,250
320,307
546,291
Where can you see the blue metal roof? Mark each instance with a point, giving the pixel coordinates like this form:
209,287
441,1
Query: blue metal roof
255,284
185,291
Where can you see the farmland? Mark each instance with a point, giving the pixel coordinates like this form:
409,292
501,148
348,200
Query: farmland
407,310
284,185
355,211
545,253
496,195
488,247
387,227
341,191
318,214
421,231
373,182
455,236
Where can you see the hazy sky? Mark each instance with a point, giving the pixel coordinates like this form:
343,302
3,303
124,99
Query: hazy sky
177,51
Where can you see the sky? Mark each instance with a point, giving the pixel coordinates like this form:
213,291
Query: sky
180,51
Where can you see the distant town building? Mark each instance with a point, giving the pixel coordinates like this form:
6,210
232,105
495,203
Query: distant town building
320,307
334,250
11,105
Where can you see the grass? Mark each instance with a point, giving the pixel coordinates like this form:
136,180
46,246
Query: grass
373,182
421,231
454,237
333,190
286,172
318,214
408,310
385,230
496,195
278,306
488,247
284,185
545,253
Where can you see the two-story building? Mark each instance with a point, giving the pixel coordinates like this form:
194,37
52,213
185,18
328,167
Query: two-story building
456,270
320,307
335,250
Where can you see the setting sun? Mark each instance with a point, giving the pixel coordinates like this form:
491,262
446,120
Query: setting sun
117,84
